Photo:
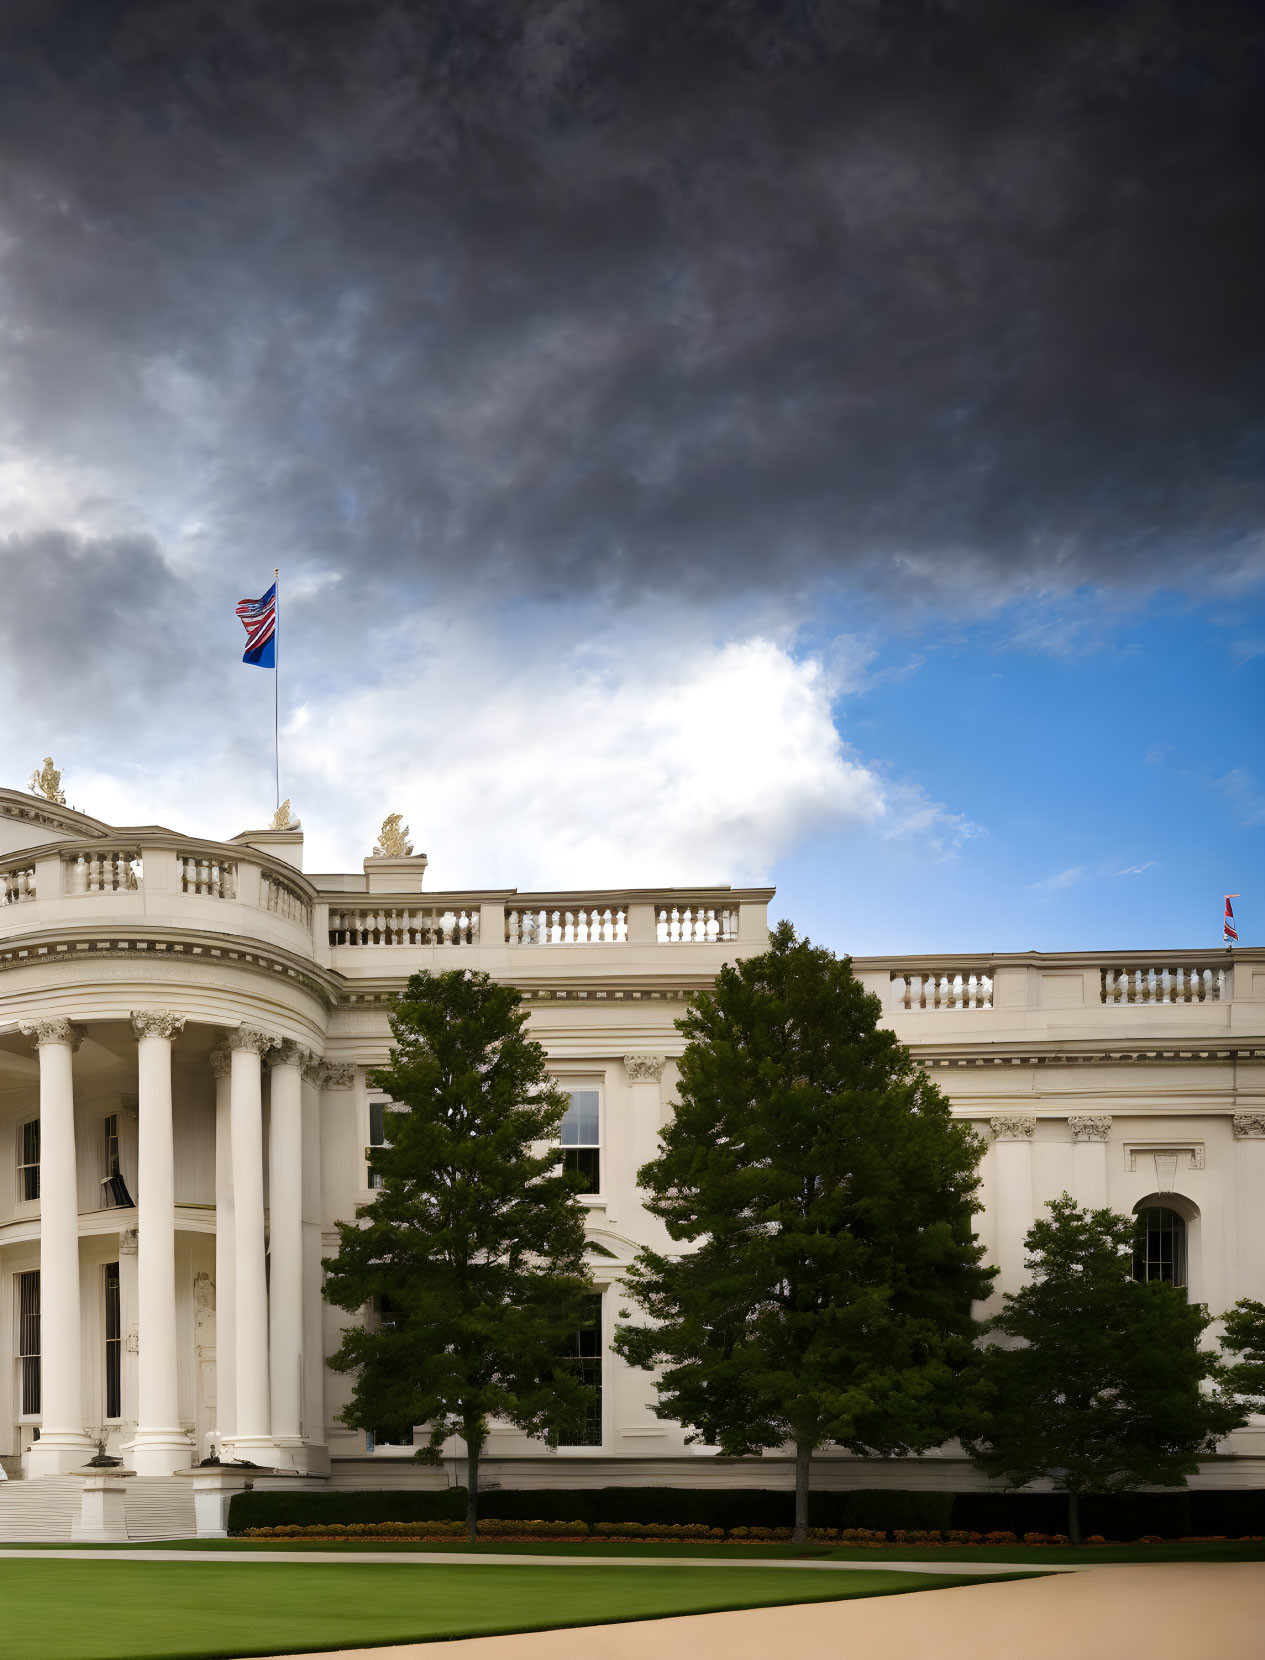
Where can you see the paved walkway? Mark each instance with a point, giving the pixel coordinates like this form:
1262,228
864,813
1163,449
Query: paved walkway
1168,1611
444,1559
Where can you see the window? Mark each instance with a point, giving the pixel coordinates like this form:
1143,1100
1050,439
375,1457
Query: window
29,1161
29,1341
581,1141
113,1187
1159,1246
377,1134
585,1354
113,1343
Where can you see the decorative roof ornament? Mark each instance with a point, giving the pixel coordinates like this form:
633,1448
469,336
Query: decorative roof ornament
284,819
47,782
393,842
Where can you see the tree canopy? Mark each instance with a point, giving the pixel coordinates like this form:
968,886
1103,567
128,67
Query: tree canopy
1099,1387
471,1255
826,1199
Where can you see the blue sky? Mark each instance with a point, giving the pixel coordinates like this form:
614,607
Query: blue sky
1116,777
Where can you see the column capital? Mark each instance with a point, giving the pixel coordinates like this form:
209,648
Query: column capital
251,1039
290,1053
644,1069
53,1029
330,1074
1013,1126
221,1061
163,1023
1249,1126
1093,1126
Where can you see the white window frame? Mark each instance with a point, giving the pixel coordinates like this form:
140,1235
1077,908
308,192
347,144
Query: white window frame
593,1084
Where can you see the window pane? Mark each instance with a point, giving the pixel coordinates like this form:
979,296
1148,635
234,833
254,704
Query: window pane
113,1343
579,1125
29,1339
585,1355
588,1161
111,1133
1159,1249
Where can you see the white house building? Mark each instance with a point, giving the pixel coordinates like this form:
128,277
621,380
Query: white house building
186,1027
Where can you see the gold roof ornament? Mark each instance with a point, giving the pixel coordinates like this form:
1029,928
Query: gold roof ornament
284,819
393,842
46,781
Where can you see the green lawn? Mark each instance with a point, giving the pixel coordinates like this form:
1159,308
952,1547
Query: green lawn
58,1610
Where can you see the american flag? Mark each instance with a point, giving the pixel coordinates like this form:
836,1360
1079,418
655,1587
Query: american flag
1230,931
259,619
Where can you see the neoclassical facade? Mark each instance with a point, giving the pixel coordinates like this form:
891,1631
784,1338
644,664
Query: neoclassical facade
186,1028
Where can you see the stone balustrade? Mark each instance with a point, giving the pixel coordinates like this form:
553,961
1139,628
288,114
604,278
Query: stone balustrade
113,870
16,884
583,925
214,878
405,925
283,899
942,989
1155,984
698,924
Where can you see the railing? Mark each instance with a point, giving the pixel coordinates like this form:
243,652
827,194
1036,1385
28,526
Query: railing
212,877
592,925
404,926
17,885
941,990
1163,985
114,871
699,924
283,900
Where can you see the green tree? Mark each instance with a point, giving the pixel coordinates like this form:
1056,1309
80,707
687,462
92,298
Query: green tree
1245,1337
827,1197
475,1240
1100,1387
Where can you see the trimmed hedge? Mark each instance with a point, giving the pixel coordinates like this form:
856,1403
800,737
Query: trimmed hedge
1115,1516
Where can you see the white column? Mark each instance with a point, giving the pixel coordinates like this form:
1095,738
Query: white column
62,1444
316,1457
1246,1260
1090,1133
225,1255
285,1238
160,1445
252,1434
1012,1134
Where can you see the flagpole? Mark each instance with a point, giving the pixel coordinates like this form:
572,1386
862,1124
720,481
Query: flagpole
276,683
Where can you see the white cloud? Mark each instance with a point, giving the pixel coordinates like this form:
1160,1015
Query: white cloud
1136,870
542,754
1063,879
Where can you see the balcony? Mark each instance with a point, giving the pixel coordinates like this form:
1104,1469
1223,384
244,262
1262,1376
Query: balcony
155,878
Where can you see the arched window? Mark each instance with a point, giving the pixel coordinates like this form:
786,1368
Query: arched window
1159,1247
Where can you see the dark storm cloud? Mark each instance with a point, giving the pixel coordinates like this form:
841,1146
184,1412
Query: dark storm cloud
572,292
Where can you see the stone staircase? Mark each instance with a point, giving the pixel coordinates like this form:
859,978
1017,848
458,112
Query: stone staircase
39,1512
44,1511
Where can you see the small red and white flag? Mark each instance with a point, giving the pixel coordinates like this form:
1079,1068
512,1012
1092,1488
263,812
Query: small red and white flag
1230,932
